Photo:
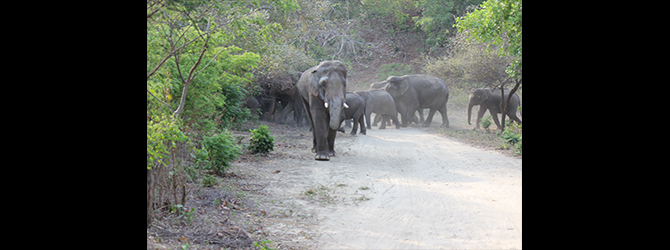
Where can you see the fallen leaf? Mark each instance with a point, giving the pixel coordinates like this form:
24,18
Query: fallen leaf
183,239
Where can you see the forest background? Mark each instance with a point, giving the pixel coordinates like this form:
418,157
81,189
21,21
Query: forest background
204,58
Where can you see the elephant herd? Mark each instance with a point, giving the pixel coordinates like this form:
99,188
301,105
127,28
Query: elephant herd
321,95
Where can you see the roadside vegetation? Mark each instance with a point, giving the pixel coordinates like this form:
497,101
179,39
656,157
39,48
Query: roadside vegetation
206,57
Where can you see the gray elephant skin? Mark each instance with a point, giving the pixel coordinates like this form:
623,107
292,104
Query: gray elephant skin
322,89
355,110
416,92
489,99
381,103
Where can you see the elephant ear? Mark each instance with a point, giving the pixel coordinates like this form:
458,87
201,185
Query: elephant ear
342,68
404,86
314,82
485,94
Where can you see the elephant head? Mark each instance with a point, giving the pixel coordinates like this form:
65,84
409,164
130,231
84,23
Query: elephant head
329,82
477,97
396,86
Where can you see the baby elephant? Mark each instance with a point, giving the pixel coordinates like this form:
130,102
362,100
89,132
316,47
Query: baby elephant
355,109
490,100
381,103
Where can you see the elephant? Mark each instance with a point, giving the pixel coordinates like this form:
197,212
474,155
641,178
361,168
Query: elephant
322,90
291,103
253,105
415,92
356,111
489,99
280,88
381,103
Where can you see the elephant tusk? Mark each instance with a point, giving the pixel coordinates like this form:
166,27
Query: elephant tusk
325,104
346,106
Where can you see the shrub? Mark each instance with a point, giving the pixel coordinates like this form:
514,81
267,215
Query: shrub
261,141
486,122
209,181
221,150
513,135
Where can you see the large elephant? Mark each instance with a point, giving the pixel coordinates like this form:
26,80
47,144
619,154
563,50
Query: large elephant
322,89
489,99
356,111
381,103
415,92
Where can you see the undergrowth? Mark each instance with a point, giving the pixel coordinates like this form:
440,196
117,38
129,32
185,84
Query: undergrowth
490,137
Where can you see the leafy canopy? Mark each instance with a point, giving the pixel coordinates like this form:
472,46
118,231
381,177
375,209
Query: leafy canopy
497,22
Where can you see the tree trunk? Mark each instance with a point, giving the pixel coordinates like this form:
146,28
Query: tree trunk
503,106
516,86
150,194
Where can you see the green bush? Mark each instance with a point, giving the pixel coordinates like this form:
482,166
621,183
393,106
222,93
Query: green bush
261,141
221,150
486,122
209,181
513,135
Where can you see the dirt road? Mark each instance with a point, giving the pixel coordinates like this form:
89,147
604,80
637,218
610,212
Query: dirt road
400,189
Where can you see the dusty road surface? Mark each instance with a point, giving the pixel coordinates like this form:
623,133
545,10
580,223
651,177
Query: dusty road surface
398,189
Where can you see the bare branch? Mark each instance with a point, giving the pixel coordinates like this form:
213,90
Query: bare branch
162,4
171,110
190,78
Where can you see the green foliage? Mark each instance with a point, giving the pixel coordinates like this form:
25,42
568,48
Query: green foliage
163,133
393,69
263,244
214,98
467,65
209,181
261,141
438,17
221,150
486,122
192,173
513,135
498,22
183,212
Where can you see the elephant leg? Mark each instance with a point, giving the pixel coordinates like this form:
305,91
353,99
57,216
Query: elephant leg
420,115
320,130
480,114
443,112
289,107
514,117
495,118
368,114
361,121
331,142
429,119
377,118
308,113
384,119
355,126
405,119
394,117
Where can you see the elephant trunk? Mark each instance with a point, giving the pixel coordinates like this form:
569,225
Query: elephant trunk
335,107
470,104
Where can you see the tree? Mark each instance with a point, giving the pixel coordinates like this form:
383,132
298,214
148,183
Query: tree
438,16
192,54
498,22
